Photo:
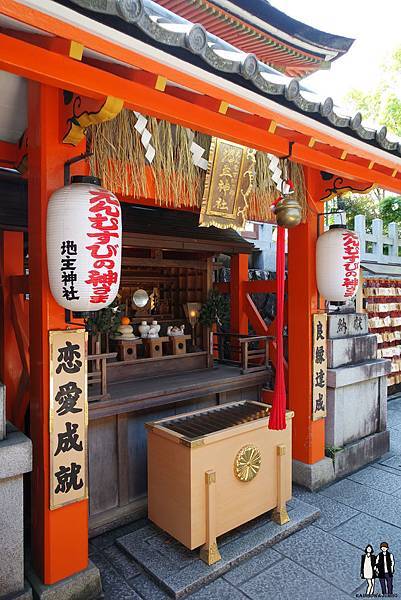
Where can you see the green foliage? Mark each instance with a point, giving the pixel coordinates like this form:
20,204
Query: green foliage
215,310
383,104
354,204
331,451
374,205
105,320
390,209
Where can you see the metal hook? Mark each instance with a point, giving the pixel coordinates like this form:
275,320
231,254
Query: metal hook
71,161
290,145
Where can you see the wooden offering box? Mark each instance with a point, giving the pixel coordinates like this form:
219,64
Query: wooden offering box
212,470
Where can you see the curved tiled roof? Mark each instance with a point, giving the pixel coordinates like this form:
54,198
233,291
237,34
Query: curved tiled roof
274,17
275,38
166,28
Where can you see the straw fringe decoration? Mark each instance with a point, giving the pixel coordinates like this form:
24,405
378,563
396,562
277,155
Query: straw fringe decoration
118,155
259,208
119,160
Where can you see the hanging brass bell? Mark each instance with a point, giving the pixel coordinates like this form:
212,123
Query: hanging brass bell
288,212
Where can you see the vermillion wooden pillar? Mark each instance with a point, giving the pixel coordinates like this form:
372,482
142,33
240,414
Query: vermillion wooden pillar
11,263
239,274
308,435
59,537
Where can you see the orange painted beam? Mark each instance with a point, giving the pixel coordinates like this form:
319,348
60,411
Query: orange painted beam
223,288
11,264
57,44
41,20
239,274
308,435
260,327
254,316
8,155
265,286
56,70
59,537
315,158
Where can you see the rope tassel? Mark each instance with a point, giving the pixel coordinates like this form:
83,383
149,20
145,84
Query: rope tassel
277,416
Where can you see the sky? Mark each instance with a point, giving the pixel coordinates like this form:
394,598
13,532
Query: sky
376,27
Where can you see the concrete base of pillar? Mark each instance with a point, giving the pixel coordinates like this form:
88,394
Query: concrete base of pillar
358,454
347,460
85,585
313,476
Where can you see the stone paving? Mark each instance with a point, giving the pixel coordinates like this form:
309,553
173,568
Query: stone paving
320,562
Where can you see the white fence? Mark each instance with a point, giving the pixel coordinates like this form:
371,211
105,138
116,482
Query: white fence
375,246
375,250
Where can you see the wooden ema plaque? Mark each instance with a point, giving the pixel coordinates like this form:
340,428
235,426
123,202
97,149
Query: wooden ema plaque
68,418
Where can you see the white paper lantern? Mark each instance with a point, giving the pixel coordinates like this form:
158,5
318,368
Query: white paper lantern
337,264
84,245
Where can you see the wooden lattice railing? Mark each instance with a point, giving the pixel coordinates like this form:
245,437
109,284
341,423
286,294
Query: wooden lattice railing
97,376
250,353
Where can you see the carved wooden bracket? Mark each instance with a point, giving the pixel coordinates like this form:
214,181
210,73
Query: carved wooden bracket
333,185
80,112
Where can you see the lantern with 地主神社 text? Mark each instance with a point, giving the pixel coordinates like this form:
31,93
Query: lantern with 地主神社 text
84,245
337,264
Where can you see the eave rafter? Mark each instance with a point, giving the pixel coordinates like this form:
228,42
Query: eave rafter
140,90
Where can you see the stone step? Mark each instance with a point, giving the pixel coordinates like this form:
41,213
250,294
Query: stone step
351,374
351,350
347,325
179,571
2,411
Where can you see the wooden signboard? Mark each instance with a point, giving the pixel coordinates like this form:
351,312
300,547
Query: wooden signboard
68,417
319,366
229,182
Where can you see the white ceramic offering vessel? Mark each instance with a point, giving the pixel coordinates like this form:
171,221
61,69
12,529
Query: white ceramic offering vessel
154,330
144,329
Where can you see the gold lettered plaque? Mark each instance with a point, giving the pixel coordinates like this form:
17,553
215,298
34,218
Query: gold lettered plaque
229,182
68,417
319,366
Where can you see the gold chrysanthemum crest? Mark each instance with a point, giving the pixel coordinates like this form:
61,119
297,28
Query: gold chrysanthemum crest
247,463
